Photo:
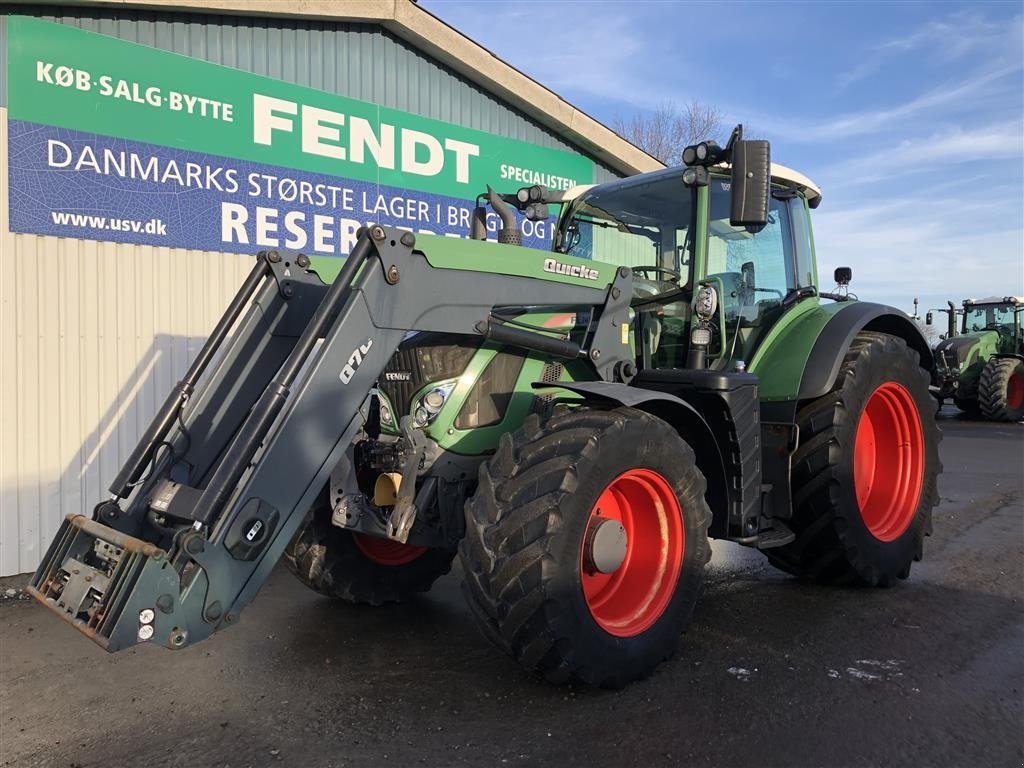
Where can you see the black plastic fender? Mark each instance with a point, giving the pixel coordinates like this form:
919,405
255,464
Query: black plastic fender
829,349
686,420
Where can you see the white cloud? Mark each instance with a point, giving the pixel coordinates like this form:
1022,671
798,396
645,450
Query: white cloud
956,146
935,248
957,35
952,38
981,87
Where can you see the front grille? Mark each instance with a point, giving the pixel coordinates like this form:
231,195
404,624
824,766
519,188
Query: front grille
421,360
542,403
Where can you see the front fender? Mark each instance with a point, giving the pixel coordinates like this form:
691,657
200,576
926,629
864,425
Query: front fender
686,420
801,358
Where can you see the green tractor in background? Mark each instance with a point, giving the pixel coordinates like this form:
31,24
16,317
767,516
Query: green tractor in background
573,425
982,367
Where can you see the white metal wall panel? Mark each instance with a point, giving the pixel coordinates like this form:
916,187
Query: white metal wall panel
92,338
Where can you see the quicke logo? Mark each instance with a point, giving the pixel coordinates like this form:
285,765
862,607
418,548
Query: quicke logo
572,270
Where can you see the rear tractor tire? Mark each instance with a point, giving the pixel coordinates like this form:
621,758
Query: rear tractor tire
1001,389
358,568
586,544
864,475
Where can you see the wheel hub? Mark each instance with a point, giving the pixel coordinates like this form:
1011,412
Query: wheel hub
632,552
605,546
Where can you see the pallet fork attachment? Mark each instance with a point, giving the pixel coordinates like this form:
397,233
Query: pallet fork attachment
220,481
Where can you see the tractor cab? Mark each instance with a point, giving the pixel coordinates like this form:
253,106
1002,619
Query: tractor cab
999,315
675,229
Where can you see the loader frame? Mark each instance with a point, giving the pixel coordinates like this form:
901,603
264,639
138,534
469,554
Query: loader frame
240,455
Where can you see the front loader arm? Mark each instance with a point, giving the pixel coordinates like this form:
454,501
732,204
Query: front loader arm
179,550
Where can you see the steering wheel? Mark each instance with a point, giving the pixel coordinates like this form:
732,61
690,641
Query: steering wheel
674,274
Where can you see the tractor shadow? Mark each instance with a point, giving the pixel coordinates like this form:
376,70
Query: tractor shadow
81,475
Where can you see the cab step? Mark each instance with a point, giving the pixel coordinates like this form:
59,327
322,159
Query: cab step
778,535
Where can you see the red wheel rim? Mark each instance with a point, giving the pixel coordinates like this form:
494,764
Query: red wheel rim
888,461
1015,391
630,600
386,551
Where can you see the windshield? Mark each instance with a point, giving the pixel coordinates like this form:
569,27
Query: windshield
989,316
646,224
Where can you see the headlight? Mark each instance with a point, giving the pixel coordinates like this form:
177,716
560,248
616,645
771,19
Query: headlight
431,403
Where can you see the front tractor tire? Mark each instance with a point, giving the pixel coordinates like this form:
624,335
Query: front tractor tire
865,473
586,544
1001,389
968,405
358,568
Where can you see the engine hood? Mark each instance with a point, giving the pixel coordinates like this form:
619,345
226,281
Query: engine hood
962,346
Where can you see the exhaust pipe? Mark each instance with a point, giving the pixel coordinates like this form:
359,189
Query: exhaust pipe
509,232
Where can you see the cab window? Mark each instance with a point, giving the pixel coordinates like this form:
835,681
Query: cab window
802,242
644,224
753,268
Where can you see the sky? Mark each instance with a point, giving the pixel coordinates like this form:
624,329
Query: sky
909,116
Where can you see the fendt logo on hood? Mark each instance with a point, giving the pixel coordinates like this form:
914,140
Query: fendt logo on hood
572,270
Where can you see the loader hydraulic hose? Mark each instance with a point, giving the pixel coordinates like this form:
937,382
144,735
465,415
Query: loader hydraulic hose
257,425
164,420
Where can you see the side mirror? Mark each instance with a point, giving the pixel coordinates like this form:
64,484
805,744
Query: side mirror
843,275
748,275
747,283
928,319
751,181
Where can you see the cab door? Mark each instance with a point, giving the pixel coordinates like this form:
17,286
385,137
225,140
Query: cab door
754,269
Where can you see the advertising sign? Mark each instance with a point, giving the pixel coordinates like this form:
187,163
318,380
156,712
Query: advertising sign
110,140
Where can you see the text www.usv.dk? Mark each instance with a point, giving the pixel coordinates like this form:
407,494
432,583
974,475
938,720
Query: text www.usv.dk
150,227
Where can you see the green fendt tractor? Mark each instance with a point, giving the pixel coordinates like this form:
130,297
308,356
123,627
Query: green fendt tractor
573,425
982,368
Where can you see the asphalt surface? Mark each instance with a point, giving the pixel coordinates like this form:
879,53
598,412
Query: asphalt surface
772,673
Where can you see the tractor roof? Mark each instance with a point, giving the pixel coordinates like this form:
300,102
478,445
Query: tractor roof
996,300
780,174
795,178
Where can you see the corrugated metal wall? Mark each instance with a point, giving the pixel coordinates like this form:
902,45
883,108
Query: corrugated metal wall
354,60
93,335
